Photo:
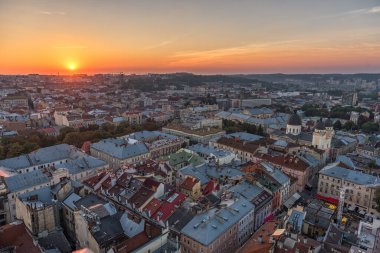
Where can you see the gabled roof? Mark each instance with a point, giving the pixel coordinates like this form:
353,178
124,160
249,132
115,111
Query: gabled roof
82,164
164,211
40,156
24,181
205,228
141,197
120,148
17,237
354,176
189,183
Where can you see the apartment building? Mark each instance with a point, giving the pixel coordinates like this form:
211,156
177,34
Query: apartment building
219,230
359,187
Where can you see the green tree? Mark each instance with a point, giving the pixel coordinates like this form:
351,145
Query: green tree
370,127
63,131
377,199
74,138
349,125
2,152
260,130
338,125
15,149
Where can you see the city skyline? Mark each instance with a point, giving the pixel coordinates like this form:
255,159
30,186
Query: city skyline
203,37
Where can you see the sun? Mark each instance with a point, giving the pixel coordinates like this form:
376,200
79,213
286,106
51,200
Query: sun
72,67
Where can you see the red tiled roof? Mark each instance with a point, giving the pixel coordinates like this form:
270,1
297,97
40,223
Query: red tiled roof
152,184
141,197
137,241
48,130
92,181
153,206
18,237
189,183
164,212
86,147
285,161
209,187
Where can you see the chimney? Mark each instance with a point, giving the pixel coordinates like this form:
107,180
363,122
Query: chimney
113,181
148,229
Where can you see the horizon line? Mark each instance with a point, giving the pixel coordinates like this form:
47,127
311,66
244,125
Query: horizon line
194,73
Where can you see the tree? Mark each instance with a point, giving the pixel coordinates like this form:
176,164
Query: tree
108,127
63,131
338,125
377,199
2,152
74,138
15,149
370,127
362,120
349,125
260,130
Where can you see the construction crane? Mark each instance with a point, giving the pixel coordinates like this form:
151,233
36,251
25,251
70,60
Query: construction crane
342,195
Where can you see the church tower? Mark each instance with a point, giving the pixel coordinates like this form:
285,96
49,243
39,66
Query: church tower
294,125
323,134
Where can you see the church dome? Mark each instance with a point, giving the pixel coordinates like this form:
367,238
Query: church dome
320,125
295,120
328,123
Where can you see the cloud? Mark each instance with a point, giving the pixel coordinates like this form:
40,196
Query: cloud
372,10
375,9
167,42
206,55
161,44
51,13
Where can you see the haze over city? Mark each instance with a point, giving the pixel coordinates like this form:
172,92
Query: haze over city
189,126
50,36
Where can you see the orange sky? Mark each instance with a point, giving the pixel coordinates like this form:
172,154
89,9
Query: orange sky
198,36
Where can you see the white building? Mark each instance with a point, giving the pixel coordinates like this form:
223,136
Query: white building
323,134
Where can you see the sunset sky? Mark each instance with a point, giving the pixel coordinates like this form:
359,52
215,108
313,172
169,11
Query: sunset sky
205,36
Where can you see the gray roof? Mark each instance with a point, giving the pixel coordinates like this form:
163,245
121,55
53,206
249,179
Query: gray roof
40,156
43,196
195,172
69,201
143,135
245,136
225,170
179,219
209,226
258,111
89,200
82,164
120,148
25,180
109,229
55,240
130,226
277,174
246,190
354,176
207,150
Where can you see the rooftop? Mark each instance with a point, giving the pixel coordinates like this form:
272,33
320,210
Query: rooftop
17,237
209,226
26,180
353,176
41,156
120,148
